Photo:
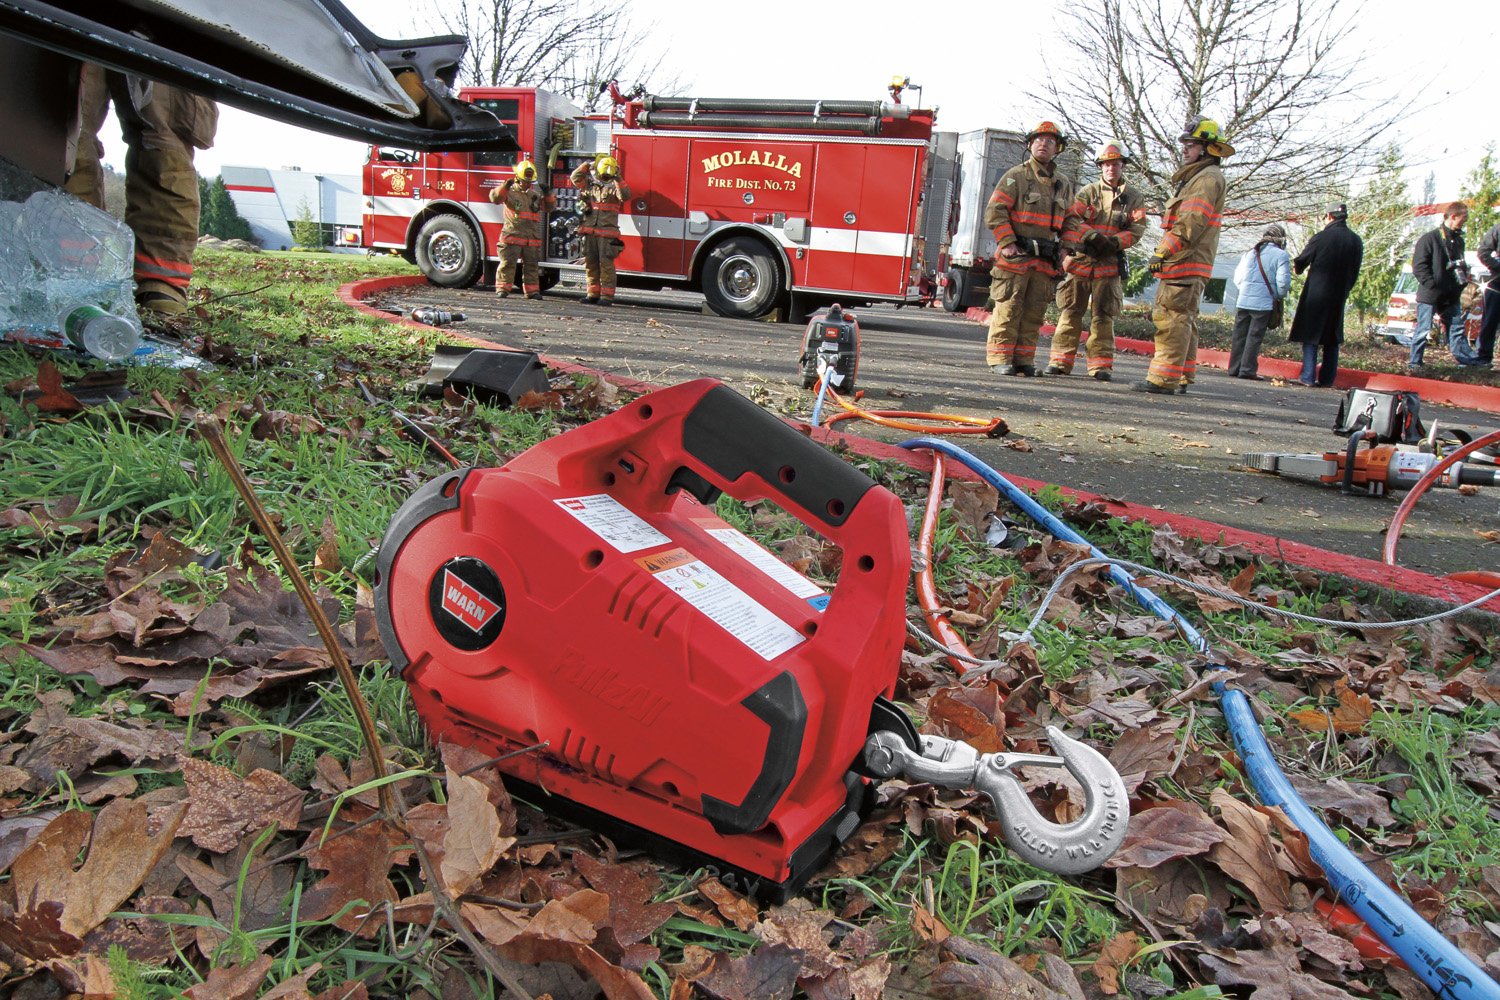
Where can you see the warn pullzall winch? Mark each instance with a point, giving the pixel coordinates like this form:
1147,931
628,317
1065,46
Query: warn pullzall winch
687,684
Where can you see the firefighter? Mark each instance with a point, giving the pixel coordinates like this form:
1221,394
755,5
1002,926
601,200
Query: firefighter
521,235
162,126
1184,259
1106,219
601,195
1027,213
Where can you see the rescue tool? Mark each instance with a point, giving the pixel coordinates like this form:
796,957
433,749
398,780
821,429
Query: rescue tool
1399,452
684,685
831,343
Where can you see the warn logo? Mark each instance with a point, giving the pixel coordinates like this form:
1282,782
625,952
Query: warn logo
465,603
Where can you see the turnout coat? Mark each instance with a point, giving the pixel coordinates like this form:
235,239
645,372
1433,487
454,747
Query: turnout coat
1331,260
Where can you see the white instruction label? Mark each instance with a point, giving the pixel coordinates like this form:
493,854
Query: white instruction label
614,522
726,605
767,562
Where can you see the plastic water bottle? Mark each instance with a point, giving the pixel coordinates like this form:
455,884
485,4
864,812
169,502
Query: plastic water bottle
16,272
103,334
67,277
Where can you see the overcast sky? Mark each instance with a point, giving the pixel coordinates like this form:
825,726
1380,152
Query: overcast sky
977,73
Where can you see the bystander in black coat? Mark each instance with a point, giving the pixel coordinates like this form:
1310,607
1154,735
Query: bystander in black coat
1331,260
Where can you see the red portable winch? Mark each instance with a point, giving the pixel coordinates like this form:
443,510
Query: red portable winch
685,682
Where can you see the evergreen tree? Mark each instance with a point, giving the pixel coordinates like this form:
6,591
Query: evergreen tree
1381,214
219,216
207,219
305,229
1481,192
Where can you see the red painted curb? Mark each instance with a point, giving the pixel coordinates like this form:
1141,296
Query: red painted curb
1366,571
1470,397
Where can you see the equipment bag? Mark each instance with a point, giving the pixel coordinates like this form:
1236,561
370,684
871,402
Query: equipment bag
1395,417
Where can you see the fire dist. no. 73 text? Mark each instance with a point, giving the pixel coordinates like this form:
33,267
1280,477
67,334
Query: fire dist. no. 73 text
746,184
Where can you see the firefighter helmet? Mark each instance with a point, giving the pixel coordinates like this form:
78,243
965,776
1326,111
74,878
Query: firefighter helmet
526,171
1206,131
1111,150
607,166
1048,128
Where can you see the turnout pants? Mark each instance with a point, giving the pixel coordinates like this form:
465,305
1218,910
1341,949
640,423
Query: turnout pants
1021,300
162,125
528,257
1073,297
599,253
1175,361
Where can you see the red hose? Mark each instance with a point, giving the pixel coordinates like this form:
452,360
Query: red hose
927,590
1393,533
1364,940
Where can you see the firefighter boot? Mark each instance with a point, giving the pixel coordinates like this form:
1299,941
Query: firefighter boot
1003,369
1027,371
1102,375
1056,369
590,299
1146,386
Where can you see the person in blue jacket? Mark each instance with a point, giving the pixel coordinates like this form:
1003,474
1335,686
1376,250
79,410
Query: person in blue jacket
1263,277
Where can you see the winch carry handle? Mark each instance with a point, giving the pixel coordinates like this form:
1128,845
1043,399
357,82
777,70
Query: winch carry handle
731,436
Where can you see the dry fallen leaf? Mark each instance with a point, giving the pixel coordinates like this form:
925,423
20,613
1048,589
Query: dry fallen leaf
1353,713
473,843
1248,855
223,807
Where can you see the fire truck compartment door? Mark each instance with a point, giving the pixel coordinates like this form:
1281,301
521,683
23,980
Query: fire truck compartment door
657,175
887,217
837,215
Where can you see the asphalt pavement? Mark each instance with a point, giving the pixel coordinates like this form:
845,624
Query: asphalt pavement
1177,453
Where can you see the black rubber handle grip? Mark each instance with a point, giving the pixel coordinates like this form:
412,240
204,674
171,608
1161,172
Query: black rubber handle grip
732,436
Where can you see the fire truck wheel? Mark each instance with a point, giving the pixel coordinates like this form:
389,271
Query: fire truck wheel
741,278
955,291
448,251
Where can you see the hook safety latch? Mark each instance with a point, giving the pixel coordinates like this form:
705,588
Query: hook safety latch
1068,849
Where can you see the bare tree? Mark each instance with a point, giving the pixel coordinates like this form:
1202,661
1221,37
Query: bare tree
572,47
1279,76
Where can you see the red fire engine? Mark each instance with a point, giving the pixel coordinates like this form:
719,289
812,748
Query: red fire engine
748,201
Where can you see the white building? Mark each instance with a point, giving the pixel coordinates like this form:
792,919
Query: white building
270,200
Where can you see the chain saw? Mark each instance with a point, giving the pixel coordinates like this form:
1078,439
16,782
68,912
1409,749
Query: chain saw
676,682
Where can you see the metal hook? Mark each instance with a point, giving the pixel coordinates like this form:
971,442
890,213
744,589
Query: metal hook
1068,849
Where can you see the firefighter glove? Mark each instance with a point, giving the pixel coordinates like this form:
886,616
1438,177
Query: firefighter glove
1158,261
1100,245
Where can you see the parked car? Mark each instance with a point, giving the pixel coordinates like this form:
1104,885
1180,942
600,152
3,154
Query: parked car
1401,314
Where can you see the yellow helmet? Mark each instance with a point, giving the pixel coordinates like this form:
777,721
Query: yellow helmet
525,171
607,166
1048,128
1206,131
1110,150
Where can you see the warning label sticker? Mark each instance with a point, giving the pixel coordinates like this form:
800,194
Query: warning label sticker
728,606
766,561
614,522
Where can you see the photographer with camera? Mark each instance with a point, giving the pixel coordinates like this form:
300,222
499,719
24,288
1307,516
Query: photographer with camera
1438,263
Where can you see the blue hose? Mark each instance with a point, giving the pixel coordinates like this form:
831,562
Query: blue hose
1440,963
822,392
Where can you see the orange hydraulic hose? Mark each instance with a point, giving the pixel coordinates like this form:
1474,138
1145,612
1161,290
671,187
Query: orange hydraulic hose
1364,940
1393,533
994,427
926,590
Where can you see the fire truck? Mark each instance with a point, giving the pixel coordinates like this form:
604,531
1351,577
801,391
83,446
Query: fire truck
752,202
